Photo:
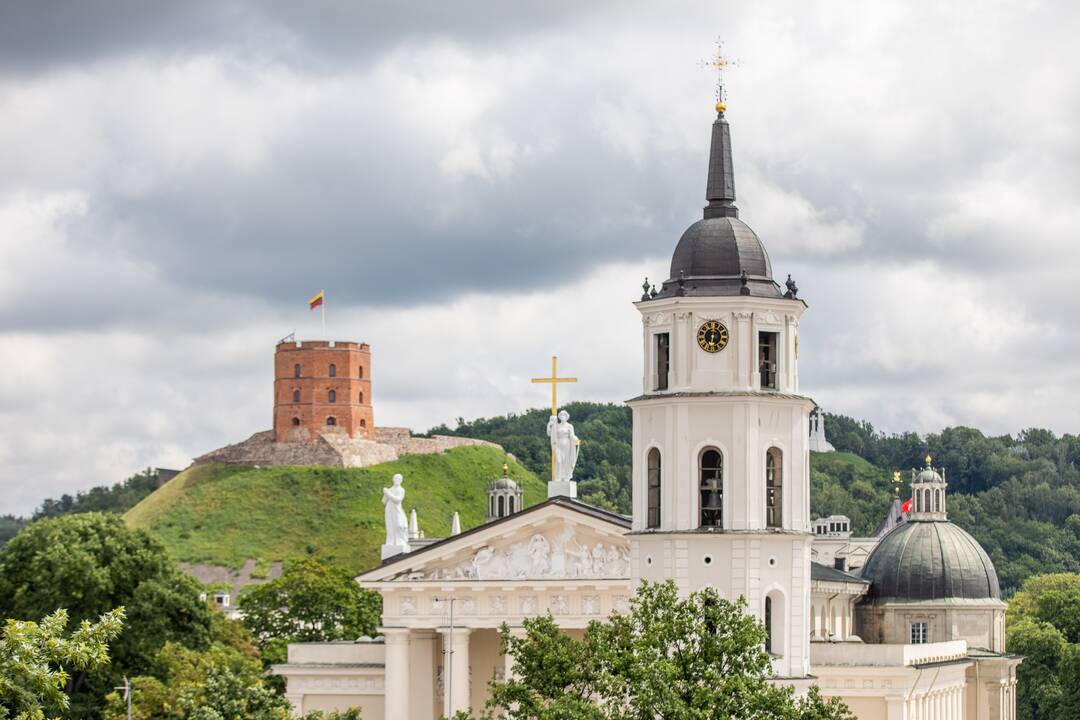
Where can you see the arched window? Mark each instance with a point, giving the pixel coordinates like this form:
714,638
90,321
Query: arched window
363,422
296,396
711,480
296,370
361,372
333,370
774,488
510,504
331,396
768,626
502,506
491,506
653,472
295,421
331,420
361,401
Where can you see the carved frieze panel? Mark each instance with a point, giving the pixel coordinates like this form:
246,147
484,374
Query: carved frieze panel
553,555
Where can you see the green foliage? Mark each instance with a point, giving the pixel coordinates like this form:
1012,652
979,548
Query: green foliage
35,658
844,484
699,657
1043,625
89,564
218,683
310,602
119,498
603,469
10,527
224,515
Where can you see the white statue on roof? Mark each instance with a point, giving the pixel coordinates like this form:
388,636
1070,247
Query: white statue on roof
565,443
397,525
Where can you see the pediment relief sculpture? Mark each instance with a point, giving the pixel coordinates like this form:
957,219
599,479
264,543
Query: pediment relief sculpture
542,556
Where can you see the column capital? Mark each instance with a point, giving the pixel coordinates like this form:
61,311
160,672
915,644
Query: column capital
457,631
394,636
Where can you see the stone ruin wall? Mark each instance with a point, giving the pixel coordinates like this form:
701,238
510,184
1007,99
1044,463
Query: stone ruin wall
334,449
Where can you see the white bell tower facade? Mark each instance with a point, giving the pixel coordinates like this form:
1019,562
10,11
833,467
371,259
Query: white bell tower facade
721,486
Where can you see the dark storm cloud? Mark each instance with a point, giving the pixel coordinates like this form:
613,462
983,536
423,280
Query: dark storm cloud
37,36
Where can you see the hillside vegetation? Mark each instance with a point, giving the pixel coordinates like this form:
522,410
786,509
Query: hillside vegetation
1018,495
223,515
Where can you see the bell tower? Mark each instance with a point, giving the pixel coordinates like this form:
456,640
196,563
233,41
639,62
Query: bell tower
721,493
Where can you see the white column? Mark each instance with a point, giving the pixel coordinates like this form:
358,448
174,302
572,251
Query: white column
297,702
397,670
456,673
422,674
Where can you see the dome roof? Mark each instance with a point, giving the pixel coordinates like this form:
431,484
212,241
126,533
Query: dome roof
504,483
929,475
713,254
720,255
930,561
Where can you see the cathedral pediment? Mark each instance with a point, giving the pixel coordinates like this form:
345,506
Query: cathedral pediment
560,539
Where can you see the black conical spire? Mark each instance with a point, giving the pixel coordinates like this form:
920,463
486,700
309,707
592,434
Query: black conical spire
720,190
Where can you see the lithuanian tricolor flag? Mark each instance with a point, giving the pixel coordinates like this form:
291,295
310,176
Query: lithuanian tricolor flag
317,300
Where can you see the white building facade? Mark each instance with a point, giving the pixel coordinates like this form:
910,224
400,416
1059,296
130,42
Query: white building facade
721,498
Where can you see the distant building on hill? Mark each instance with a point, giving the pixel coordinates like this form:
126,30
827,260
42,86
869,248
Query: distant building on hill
322,387
323,414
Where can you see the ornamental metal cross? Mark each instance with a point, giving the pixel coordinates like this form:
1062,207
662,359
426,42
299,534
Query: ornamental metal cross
719,61
554,380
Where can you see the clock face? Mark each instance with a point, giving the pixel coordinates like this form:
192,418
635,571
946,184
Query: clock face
712,336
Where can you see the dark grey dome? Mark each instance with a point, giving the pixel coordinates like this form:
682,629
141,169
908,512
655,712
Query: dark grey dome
930,561
713,254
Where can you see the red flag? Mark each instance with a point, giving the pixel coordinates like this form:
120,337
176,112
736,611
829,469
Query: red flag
906,507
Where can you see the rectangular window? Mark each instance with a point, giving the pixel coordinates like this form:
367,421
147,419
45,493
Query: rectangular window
767,342
919,633
663,360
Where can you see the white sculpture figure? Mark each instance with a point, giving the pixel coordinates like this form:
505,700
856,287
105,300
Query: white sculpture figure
397,525
565,444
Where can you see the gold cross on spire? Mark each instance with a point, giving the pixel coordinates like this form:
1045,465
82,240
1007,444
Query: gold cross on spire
554,380
897,482
719,61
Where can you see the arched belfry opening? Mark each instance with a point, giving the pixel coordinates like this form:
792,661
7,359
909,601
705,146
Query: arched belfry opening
774,488
653,480
711,484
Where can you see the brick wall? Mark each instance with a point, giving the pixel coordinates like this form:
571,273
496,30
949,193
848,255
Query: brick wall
307,376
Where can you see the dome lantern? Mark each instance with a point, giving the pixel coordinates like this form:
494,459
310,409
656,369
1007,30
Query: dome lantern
505,497
928,493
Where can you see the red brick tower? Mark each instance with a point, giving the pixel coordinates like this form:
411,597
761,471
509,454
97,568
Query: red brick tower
321,385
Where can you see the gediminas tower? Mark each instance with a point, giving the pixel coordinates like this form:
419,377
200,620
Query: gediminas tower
322,386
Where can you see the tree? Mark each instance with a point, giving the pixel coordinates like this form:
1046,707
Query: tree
220,683
89,564
35,659
310,602
699,657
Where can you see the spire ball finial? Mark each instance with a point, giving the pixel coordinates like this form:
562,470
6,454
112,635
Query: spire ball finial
928,460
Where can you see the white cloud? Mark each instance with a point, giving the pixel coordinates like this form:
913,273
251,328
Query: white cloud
476,200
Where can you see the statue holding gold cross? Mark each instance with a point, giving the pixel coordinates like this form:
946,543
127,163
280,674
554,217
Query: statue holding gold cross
564,443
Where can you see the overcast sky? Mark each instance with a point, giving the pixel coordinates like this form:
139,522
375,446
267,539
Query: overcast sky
480,185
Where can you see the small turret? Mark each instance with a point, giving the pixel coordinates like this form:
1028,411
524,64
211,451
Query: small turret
505,497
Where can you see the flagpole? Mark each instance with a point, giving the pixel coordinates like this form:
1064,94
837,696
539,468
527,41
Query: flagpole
322,306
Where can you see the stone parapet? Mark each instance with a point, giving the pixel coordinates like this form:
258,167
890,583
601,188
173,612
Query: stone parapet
333,449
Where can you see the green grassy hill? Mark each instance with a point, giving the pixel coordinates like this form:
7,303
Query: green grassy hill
223,515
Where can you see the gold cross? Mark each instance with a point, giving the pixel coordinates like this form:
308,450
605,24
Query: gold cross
896,479
719,61
554,380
